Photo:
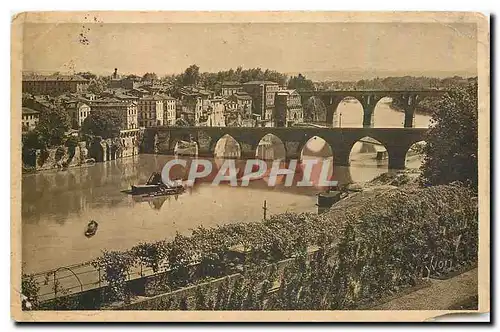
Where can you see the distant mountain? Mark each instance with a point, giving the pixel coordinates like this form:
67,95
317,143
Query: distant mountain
357,74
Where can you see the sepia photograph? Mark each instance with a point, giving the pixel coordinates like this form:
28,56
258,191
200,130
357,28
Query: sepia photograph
265,166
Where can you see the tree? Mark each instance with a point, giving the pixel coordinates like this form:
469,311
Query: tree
97,86
106,124
451,149
150,77
52,127
87,75
191,75
300,83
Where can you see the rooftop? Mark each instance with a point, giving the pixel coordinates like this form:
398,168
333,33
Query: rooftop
75,78
260,82
242,95
287,91
111,102
154,97
231,83
29,111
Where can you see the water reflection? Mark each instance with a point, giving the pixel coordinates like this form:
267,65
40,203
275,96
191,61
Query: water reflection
56,206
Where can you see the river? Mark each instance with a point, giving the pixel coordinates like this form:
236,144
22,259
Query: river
57,205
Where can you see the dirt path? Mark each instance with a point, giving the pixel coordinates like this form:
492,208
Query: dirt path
441,295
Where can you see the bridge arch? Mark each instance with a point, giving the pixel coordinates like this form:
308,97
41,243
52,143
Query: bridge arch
387,116
349,113
316,147
270,147
415,155
369,154
227,147
184,147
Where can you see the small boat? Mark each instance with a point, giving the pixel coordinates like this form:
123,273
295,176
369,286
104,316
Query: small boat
155,187
91,228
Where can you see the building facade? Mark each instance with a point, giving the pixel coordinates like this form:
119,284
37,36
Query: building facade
230,88
216,113
29,119
150,111
288,109
128,111
54,84
78,112
262,93
238,107
169,111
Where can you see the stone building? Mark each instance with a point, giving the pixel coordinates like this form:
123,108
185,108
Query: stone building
238,107
54,84
128,111
288,109
169,110
194,105
30,119
150,111
215,113
78,112
262,93
230,88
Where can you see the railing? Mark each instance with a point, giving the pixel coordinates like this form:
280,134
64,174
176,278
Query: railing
77,278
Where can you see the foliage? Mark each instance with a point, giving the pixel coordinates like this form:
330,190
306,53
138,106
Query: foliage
150,254
397,83
300,82
50,130
213,81
150,77
30,289
452,148
87,75
314,108
191,76
370,245
106,124
97,85
116,266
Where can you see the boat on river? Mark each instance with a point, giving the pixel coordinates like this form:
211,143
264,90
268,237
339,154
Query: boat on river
155,187
91,228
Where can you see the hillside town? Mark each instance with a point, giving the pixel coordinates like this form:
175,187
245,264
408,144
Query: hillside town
146,103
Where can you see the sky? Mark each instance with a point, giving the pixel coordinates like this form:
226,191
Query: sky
286,47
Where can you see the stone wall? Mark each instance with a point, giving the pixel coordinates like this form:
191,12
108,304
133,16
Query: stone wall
56,158
96,150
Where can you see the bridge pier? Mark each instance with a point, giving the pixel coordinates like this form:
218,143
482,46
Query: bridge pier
397,157
248,151
369,102
368,117
341,157
410,104
409,118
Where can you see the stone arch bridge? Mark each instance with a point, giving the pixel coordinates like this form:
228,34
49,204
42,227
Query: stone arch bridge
397,141
369,99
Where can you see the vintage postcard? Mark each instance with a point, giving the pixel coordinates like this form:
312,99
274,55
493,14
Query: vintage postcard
237,166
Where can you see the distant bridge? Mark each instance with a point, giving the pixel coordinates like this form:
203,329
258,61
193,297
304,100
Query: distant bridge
368,99
397,141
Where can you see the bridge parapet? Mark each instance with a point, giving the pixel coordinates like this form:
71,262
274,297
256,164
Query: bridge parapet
397,141
369,99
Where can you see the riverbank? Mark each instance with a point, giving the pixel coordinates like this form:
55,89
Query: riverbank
376,216
75,154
